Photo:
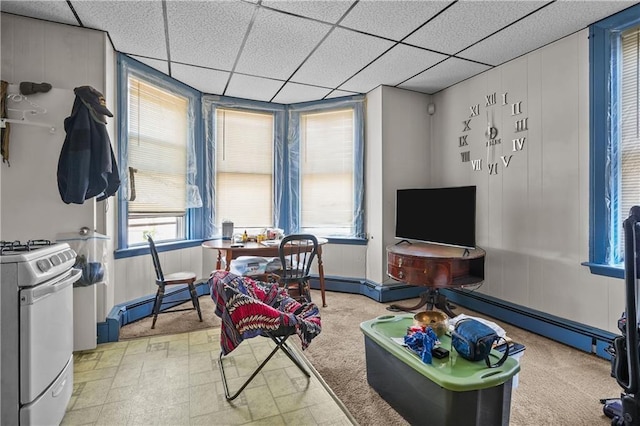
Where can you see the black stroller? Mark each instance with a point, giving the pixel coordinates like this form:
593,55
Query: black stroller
625,361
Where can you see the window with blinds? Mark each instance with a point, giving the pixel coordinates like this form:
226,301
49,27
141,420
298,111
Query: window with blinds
157,161
244,168
629,125
327,172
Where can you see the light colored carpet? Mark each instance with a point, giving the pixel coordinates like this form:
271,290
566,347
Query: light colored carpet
558,385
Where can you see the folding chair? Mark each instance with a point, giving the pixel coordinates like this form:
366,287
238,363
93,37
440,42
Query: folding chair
248,309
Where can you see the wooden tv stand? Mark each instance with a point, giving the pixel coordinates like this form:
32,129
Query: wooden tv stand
434,266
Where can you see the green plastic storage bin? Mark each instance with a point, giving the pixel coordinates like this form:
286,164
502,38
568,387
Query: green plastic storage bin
450,391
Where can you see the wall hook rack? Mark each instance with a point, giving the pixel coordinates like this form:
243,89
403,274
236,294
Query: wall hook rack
16,97
4,121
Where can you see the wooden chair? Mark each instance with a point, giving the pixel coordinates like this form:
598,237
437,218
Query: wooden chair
297,252
162,281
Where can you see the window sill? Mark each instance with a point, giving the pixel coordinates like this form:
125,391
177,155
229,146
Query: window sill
605,270
144,249
347,241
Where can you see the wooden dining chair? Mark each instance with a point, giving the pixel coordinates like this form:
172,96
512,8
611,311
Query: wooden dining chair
297,252
163,280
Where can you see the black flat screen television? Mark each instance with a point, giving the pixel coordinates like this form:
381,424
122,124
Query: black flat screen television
437,215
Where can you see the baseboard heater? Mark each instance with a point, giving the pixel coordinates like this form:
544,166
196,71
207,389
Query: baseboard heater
142,307
577,335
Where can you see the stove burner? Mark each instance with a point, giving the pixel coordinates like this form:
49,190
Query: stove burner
16,246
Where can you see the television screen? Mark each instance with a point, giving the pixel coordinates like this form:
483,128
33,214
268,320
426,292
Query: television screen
437,215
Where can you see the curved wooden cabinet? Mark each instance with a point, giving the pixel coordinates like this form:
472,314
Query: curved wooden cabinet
432,265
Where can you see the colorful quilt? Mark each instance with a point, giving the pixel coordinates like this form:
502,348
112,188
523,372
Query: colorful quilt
248,308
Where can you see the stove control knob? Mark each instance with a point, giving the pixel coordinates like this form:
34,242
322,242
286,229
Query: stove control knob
55,259
44,265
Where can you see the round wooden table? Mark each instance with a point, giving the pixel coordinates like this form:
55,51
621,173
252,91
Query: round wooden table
266,249
434,266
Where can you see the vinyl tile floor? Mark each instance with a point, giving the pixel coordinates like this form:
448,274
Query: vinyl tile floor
175,380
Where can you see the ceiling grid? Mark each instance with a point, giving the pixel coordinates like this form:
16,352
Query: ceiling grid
289,51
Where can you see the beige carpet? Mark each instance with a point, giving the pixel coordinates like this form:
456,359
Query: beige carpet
558,385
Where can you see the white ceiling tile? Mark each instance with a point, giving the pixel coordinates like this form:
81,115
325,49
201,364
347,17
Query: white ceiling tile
56,11
339,57
443,75
203,79
293,93
256,88
327,11
278,43
395,66
157,64
207,33
469,21
555,21
391,19
135,27
339,94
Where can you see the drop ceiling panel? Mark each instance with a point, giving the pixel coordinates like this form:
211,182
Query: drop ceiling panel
470,21
339,94
207,33
339,57
391,19
157,64
443,75
56,11
293,93
327,11
555,21
249,87
205,80
278,43
135,27
392,68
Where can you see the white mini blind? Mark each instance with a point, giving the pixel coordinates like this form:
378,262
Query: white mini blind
629,122
327,171
244,168
158,134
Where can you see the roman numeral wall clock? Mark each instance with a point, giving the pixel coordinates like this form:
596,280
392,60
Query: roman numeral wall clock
492,136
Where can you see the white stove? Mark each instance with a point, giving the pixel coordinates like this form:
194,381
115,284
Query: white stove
36,285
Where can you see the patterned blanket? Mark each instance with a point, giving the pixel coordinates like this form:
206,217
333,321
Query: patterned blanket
248,307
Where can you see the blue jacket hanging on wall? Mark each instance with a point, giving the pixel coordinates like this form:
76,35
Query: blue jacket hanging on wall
87,167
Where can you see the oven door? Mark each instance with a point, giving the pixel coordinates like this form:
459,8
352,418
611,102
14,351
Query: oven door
46,333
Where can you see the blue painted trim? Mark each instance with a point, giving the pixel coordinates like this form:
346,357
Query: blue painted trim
605,270
377,292
577,335
123,147
603,203
141,307
144,249
348,241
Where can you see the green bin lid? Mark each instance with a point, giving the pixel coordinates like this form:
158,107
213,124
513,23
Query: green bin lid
453,372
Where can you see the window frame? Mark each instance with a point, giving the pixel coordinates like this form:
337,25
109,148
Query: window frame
295,112
601,35
193,233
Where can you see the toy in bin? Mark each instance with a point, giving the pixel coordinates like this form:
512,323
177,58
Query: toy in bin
422,336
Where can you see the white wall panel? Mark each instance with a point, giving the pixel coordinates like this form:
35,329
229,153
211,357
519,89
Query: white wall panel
560,185
31,204
533,216
405,155
373,185
533,147
515,277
